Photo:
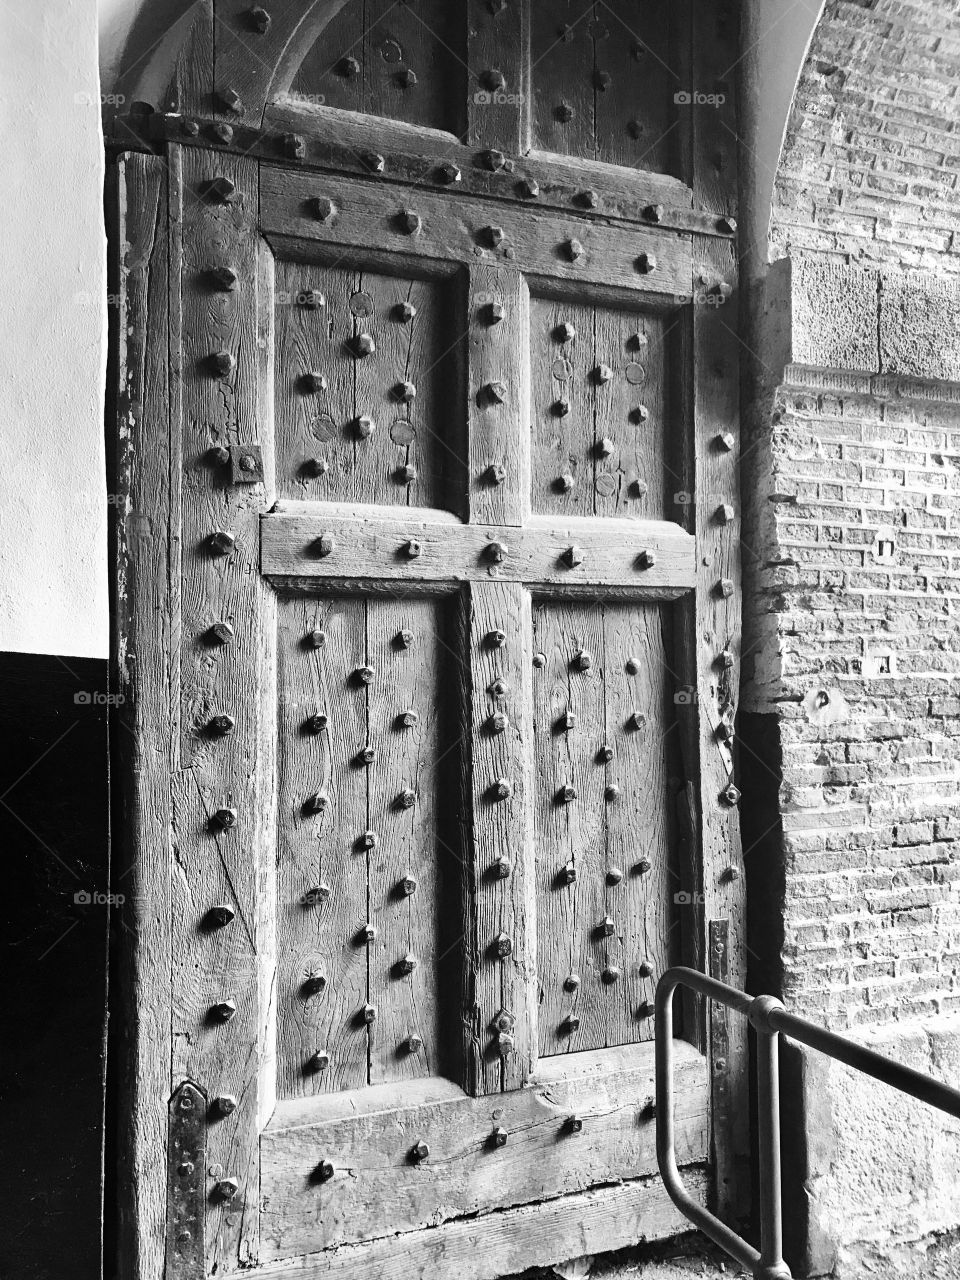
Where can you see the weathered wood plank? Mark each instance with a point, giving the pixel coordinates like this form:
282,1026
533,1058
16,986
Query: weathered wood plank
640,682
537,241
229,768
498,58
498,342
498,908
336,141
321,852
570,835
561,49
508,1243
715,389
325,390
562,406
635,107
375,1188
146,450
407,759
377,546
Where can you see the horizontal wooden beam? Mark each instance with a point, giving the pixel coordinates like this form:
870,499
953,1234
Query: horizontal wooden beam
324,139
582,1115
377,217
425,549
507,1243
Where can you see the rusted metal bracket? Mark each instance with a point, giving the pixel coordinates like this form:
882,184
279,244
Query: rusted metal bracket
186,1176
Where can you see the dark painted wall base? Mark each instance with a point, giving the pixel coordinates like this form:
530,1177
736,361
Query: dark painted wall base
54,833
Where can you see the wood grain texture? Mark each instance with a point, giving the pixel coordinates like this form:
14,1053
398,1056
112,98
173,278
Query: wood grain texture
715,391
318,933
604,77
508,1243
499,906
408,756
376,547
323,388
498,45
618,844
608,438
497,438
570,835
386,40
641,680
455,230
375,1190
234,770
142,585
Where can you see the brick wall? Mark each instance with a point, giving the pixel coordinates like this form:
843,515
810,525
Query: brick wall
857,651
852,527
871,160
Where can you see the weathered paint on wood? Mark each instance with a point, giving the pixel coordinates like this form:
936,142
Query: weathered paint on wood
377,547
375,1189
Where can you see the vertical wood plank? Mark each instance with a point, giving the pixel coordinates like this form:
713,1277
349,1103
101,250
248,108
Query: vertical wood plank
636,78
319,931
716,410
632,416
231,770
570,834
498,59
498,353
407,758
562,73
497,905
640,729
313,418
145,452
562,407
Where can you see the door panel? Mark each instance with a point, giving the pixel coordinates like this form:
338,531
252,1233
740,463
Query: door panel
606,743
603,443
444,653
354,426
605,75
398,60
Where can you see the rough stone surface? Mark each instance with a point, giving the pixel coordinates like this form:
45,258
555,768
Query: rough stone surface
834,315
919,333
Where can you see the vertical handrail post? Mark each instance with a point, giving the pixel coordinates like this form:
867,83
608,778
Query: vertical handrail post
771,1265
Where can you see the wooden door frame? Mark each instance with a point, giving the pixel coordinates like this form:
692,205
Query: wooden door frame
143,277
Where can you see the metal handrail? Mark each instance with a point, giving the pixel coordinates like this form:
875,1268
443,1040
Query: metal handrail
768,1017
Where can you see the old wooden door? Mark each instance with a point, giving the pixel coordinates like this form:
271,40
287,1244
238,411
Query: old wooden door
427,611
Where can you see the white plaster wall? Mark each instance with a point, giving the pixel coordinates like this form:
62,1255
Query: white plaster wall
776,37
53,502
